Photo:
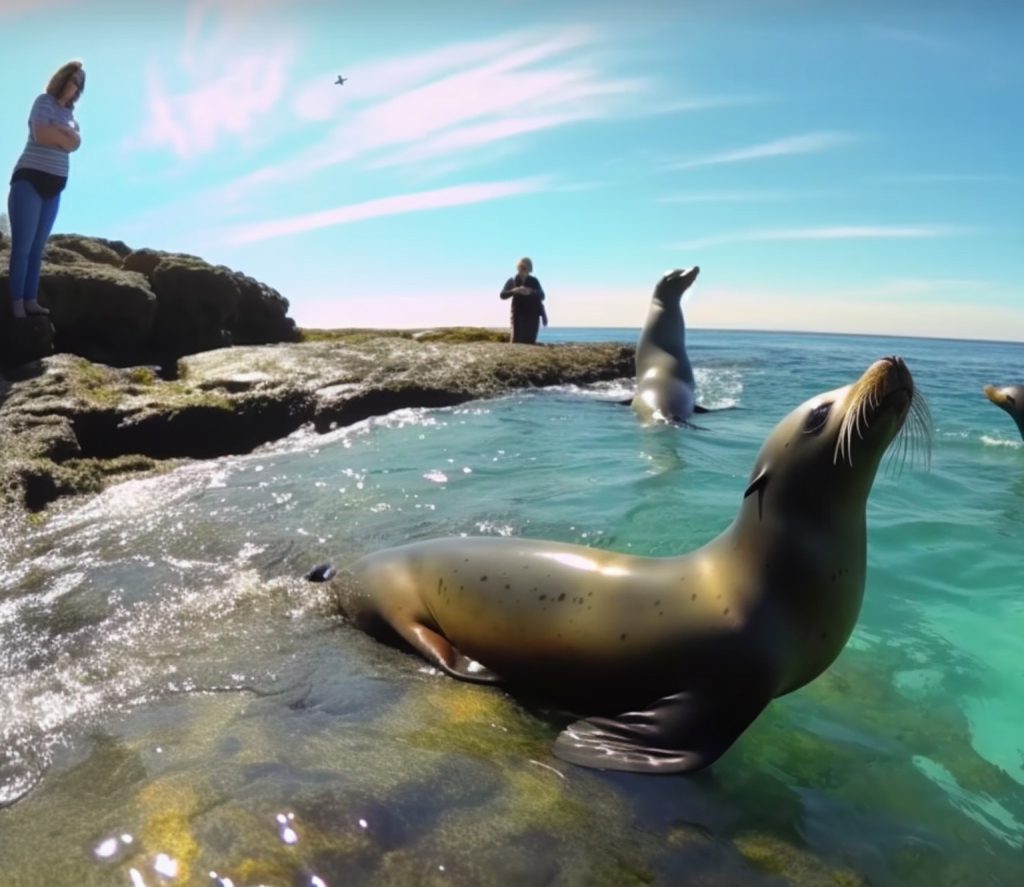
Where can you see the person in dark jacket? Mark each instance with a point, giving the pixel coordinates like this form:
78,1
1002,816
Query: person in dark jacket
527,297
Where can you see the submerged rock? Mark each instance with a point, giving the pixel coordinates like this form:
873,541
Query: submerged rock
68,425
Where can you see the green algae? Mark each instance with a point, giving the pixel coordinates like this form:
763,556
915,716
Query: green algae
775,857
449,335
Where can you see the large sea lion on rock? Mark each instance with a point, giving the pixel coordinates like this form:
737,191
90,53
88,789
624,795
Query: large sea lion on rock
682,652
1011,399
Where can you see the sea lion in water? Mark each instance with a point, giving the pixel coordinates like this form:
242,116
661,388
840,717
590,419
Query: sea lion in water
1011,399
665,387
684,652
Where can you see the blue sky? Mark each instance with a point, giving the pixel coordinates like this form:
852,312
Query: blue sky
855,171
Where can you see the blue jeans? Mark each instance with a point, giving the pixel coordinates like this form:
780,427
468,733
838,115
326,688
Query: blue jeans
32,219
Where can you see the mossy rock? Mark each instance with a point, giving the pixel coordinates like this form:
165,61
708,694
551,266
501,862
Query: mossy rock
88,248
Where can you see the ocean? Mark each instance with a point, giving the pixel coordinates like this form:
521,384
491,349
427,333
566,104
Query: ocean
177,706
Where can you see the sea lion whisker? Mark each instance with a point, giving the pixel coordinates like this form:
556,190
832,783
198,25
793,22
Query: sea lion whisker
862,414
865,396
839,454
922,427
851,416
896,458
914,439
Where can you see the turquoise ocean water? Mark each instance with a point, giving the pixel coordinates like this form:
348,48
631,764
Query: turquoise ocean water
177,706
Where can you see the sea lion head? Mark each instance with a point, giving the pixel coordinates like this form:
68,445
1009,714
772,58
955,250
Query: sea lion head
674,283
1009,398
820,460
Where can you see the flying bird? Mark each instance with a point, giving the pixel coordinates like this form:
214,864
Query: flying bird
340,81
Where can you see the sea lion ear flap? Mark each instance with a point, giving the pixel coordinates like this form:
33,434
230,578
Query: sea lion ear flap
757,485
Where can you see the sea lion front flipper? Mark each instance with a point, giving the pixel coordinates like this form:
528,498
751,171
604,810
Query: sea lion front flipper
438,650
679,733
321,573
697,408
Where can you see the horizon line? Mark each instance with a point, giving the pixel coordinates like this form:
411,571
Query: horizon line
709,329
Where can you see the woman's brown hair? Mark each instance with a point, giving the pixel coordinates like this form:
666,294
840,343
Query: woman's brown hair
61,78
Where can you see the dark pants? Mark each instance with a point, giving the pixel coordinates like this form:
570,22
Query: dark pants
525,329
32,218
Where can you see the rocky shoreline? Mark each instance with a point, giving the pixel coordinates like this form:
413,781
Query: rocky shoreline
151,357
70,426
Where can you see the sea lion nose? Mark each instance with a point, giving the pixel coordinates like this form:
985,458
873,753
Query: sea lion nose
898,374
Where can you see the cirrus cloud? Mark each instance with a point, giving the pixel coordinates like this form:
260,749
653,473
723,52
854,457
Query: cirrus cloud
228,78
807,143
440,198
833,232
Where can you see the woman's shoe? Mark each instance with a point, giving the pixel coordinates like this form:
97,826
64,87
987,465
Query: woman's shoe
33,307
18,309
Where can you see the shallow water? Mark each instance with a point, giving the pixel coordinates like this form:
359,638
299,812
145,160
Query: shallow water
178,706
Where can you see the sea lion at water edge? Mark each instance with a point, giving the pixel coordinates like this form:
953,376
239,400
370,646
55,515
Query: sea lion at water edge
1011,399
684,652
665,387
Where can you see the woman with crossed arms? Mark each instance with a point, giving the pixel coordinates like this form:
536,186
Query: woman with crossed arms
40,175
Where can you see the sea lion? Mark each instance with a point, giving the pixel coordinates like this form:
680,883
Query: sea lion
1011,399
701,642
665,387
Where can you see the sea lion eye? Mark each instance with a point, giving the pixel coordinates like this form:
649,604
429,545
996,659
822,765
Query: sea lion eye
817,418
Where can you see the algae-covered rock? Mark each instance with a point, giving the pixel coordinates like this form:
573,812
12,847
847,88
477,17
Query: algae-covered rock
145,260
93,249
99,311
197,305
776,857
66,424
121,306
262,314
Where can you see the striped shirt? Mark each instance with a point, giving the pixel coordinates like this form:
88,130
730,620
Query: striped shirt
47,158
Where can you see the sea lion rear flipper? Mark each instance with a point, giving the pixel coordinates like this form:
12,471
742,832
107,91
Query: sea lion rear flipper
679,733
437,649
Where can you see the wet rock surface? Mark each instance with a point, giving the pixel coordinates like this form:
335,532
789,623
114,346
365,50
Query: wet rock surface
68,425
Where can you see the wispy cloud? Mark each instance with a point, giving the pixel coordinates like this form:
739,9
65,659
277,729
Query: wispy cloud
939,178
319,99
807,143
457,100
917,287
701,103
836,232
914,38
458,195
752,196
460,105
848,311
234,78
